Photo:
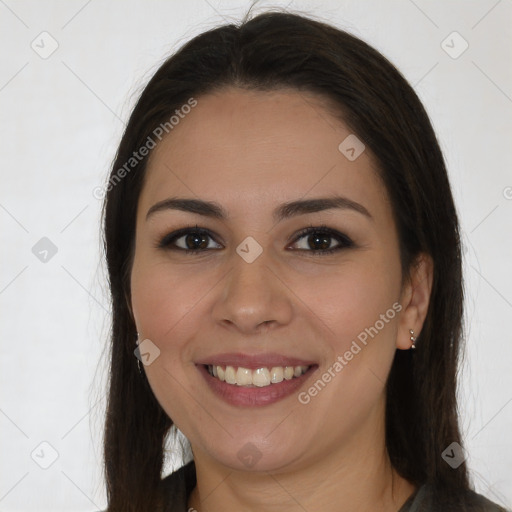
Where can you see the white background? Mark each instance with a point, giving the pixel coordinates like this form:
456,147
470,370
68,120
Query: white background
61,120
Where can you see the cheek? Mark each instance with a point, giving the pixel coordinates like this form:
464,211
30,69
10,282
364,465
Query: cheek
166,305
171,307
352,298
360,309
162,297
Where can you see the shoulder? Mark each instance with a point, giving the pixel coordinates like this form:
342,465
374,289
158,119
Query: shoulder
177,487
428,499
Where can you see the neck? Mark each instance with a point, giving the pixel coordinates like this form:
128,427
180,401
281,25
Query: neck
356,477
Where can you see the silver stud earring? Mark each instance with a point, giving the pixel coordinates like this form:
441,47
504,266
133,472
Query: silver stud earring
138,360
412,338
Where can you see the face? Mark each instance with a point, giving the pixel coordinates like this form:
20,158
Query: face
259,294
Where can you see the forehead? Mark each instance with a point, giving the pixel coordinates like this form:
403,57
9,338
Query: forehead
238,146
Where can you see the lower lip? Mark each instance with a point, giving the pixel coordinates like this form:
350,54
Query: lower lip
254,397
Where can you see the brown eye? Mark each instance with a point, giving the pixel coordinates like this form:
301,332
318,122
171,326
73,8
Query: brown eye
318,240
188,240
195,241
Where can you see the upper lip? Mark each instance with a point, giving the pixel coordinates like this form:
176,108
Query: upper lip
254,361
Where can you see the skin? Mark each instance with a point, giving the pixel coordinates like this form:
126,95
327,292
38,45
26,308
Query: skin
251,151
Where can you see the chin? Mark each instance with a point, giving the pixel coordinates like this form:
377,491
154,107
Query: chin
257,454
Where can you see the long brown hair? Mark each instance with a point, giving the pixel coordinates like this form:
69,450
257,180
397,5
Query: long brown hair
282,50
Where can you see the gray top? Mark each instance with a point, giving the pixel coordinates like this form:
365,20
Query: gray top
421,501
179,485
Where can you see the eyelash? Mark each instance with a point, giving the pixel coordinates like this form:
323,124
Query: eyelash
345,242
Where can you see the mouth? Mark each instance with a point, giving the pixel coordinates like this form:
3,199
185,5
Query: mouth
250,381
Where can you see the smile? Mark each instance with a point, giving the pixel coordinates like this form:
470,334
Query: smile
244,380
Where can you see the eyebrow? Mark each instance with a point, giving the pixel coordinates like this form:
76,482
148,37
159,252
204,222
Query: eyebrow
284,211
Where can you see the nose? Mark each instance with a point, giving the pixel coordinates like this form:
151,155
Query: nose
253,296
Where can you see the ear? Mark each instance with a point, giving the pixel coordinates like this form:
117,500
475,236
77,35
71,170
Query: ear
415,299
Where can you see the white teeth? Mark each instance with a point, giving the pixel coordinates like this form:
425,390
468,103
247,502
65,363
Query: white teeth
243,376
276,374
230,375
261,377
289,373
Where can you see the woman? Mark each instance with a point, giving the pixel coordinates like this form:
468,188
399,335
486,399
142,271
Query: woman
285,268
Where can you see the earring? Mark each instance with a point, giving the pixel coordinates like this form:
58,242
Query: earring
136,352
412,338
